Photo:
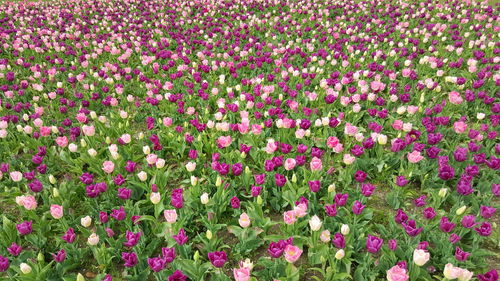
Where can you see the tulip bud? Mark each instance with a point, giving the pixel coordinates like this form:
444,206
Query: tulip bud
247,170
218,182
40,257
340,254
160,163
83,143
194,180
196,256
146,149
52,179
209,235
25,268
331,188
86,221
92,152
294,178
204,198
55,192
80,277
259,200
115,155
443,192
142,176
155,197
461,210
382,139
345,229
93,239
108,140
315,223
141,136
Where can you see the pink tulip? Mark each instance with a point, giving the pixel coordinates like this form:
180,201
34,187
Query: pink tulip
459,127
289,217
290,164
455,98
88,130
244,220
316,164
62,141
224,141
415,157
292,253
108,167
241,274
170,215
396,273
16,176
56,211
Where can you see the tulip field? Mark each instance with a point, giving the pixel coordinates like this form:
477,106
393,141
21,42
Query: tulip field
280,140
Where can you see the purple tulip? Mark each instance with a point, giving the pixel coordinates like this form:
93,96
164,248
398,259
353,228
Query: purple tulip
69,236
119,214
341,199
130,166
177,276
15,249
156,264
400,216
360,176
129,259
454,238
358,207
235,203
168,254
109,232
367,189
393,244
314,186
124,193
487,211
256,190
177,198
181,237
218,259
338,241
373,244
25,227
237,169
429,213
103,217
446,225
411,228
260,179
484,229
4,263
461,255
331,210
280,180
402,264
401,181
420,201
468,221
131,238
491,275
60,256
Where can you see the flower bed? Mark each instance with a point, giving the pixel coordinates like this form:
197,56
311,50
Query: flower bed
249,140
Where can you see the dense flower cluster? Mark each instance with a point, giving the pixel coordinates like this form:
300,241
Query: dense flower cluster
249,139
